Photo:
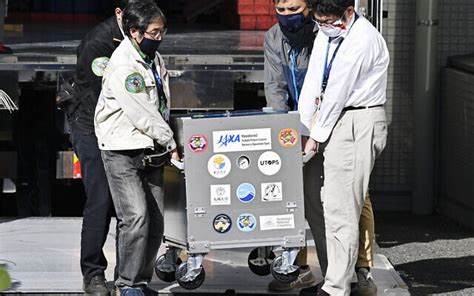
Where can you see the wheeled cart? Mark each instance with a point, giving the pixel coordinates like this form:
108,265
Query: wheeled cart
242,187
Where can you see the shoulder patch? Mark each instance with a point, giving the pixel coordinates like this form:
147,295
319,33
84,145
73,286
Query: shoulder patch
135,83
99,64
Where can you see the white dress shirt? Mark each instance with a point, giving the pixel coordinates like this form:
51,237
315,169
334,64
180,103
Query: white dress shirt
358,77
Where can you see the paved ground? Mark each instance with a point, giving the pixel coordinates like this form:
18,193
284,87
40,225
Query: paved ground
434,255
42,255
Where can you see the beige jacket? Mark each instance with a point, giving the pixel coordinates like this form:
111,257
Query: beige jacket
127,114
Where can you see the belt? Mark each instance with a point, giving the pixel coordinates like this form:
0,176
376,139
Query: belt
361,107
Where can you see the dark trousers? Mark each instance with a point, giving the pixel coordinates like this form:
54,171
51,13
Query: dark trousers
97,210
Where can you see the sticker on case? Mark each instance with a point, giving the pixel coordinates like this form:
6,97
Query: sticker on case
272,192
222,223
275,222
269,163
220,195
219,166
198,143
288,137
246,192
247,222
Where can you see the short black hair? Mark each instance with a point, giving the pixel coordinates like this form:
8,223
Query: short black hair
331,7
123,3
140,14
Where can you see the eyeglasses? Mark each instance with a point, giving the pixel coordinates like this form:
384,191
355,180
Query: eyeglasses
157,33
327,22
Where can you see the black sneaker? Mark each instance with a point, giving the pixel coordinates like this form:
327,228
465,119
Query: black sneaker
365,283
96,286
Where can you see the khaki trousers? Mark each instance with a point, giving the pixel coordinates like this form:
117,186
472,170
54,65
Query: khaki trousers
366,235
357,140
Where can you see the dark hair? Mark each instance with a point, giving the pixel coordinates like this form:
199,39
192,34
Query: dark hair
140,14
123,3
331,7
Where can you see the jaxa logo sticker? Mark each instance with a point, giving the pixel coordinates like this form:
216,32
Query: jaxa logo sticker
135,83
222,223
247,222
219,166
269,163
246,192
288,137
98,66
198,143
272,192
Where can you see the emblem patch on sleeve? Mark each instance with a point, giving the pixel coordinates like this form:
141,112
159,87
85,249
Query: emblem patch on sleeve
98,66
135,83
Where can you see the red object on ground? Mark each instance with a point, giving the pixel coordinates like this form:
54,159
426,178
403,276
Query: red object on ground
249,14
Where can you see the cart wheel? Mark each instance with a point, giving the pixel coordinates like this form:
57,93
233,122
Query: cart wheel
281,277
165,271
260,265
189,285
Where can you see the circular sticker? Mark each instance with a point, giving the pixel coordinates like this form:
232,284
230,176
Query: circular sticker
288,137
222,223
198,143
219,166
98,66
243,162
135,83
269,163
246,222
246,192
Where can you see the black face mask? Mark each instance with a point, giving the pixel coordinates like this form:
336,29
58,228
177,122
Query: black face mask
150,46
302,35
292,22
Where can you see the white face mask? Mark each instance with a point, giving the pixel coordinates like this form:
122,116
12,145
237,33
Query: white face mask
333,30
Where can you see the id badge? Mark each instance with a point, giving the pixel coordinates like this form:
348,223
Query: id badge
317,103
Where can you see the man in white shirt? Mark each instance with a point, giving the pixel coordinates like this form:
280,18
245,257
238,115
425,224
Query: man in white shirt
342,113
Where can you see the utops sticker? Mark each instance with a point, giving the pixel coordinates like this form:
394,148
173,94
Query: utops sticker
247,222
219,166
277,222
246,192
220,195
222,223
288,137
99,65
135,83
269,163
243,162
272,192
198,143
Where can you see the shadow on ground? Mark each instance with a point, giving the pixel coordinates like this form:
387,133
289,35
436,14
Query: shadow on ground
438,275
433,254
393,229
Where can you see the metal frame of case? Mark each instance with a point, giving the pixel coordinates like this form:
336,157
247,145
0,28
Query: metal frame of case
242,187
